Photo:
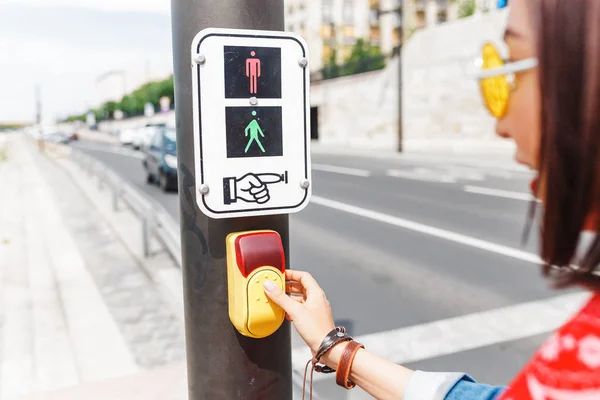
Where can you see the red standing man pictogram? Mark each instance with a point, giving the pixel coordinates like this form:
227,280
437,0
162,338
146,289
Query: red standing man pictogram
253,72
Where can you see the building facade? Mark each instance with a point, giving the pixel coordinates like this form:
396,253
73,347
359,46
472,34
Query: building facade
336,25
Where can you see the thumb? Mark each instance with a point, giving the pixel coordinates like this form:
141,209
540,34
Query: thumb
279,297
254,181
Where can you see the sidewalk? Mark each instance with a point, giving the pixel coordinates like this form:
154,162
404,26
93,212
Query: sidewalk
79,319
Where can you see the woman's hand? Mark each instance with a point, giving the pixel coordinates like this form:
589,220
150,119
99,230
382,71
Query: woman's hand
307,306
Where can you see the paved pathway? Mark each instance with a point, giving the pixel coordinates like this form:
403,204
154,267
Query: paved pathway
75,308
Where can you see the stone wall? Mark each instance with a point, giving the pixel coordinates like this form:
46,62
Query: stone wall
359,110
441,100
441,97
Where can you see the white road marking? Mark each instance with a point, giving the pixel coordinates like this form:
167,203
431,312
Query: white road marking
499,193
438,174
416,175
341,170
488,172
467,332
429,230
114,150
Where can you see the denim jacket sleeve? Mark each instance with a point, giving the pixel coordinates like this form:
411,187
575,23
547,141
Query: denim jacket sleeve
448,386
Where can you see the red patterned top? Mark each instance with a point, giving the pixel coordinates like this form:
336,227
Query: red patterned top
567,366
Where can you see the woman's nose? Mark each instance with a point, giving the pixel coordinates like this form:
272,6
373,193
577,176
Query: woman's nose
501,130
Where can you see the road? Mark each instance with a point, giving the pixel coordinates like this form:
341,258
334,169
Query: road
400,242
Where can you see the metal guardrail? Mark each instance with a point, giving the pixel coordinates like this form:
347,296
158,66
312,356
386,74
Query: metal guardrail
154,219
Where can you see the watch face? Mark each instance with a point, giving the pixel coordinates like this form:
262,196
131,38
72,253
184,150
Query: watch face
340,334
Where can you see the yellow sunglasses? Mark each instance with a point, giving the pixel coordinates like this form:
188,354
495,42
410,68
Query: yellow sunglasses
497,78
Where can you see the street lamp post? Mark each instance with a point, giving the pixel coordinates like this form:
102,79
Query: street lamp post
398,51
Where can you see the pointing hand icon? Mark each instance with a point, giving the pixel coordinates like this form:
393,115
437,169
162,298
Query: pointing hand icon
251,188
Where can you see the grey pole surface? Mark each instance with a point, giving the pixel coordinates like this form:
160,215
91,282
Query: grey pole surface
400,10
222,364
400,133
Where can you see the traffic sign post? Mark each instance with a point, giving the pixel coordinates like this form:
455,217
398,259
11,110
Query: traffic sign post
221,362
251,122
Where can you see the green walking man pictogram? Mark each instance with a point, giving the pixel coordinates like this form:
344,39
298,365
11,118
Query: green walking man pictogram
254,129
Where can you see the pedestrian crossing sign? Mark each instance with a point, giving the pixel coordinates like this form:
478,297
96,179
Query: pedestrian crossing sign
251,112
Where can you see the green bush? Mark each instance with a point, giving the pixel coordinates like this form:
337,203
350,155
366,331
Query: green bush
133,103
364,57
466,8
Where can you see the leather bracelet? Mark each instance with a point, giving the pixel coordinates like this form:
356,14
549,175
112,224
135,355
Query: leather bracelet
345,365
334,337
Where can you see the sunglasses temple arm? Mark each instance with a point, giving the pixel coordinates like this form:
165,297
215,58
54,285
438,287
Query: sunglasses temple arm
517,66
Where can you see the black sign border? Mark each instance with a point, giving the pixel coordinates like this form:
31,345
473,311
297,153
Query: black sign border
200,120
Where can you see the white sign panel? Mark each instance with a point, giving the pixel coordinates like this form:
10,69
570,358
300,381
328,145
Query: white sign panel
251,122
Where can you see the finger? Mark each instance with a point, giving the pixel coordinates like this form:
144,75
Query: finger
279,297
298,299
269,178
295,287
262,196
263,200
258,192
254,181
309,283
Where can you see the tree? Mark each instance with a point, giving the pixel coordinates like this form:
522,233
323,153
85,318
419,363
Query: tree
331,69
133,103
466,8
364,57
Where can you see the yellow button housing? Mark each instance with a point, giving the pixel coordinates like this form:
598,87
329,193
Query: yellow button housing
264,316
252,258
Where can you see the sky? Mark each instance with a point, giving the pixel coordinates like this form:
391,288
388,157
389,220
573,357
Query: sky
65,45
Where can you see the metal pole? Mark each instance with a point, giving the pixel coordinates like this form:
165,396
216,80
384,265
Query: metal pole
400,10
222,364
400,133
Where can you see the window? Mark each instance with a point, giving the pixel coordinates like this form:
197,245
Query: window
375,35
442,16
326,53
327,10
170,141
374,17
348,31
396,36
397,19
348,12
346,52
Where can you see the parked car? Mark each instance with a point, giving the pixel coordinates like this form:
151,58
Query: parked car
144,136
149,131
161,159
57,137
138,138
126,136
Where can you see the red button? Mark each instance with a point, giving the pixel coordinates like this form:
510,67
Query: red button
257,250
